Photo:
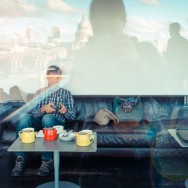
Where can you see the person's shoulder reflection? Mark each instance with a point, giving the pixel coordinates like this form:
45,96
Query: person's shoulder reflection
15,94
147,51
3,96
109,64
177,46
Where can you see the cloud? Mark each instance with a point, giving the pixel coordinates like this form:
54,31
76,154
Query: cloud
151,2
60,6
18,8
146,29
149,30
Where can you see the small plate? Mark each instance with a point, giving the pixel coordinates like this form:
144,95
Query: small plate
66,138
40,134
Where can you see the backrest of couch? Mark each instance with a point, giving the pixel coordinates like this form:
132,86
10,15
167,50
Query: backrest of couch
87,106
157,107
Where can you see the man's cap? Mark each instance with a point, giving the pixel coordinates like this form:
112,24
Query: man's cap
54,69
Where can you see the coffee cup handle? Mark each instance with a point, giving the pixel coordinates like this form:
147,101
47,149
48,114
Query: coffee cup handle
20,134
92,139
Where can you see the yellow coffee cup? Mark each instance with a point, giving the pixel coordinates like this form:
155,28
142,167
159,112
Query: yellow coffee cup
27,135
84,139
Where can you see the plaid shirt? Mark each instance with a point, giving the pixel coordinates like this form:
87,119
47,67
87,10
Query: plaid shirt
56,96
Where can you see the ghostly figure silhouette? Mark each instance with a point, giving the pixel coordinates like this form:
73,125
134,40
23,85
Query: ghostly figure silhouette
177,54
15,94
3,96
110,64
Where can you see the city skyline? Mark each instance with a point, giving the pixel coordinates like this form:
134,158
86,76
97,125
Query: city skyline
146,19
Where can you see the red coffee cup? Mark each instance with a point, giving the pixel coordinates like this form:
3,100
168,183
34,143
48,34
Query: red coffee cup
49,134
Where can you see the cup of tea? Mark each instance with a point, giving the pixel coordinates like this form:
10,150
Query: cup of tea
50,133
27,135
86,131
84,139
59,128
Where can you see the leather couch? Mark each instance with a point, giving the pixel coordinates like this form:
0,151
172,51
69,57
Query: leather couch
112,140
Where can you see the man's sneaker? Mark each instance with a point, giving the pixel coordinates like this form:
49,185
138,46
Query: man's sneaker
19,168
46,168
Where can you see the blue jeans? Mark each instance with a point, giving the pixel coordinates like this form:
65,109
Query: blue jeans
27,120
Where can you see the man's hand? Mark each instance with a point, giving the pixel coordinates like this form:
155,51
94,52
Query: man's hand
48,108
63,109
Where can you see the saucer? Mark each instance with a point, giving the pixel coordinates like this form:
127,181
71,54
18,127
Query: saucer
69,137
40,134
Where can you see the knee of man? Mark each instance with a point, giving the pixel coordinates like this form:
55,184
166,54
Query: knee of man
48,120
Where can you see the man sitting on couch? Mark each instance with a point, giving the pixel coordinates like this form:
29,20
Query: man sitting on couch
53,105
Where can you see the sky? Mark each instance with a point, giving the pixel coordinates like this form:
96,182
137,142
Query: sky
146,19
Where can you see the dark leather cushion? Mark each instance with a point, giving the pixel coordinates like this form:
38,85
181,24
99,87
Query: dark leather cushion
9,136
122,135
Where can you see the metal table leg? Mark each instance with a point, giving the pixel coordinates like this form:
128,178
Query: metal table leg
57,183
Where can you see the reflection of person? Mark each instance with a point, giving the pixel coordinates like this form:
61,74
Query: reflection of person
46,115
147,51
3,96
108,56
15,94
177,46
177,54
110,64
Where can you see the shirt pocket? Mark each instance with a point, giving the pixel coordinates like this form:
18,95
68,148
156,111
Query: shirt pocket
59,99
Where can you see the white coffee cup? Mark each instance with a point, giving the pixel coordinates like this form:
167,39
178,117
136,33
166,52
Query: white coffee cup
59,128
